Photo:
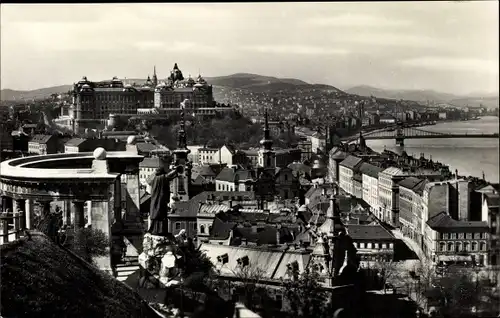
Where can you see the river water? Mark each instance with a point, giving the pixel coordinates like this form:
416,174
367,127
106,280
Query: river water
469,156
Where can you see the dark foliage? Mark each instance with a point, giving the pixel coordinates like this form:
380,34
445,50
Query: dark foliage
88,243
41,279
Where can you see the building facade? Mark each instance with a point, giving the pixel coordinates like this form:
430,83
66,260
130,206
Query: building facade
347,168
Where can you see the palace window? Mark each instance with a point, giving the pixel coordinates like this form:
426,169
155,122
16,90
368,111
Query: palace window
442,247
376,245
468,236
482,246
466,246
369,245
453,236
477,236
450,247
177,225
391,245
444,236
361,245
384,245
460,236
474,246
458,247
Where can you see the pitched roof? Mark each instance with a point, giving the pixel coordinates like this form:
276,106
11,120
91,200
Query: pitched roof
150,163
370,170
393,171
351,162
75,142
410,182
368,232
492,199
41,139
443,222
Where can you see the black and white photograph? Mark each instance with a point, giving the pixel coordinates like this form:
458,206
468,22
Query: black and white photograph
250,160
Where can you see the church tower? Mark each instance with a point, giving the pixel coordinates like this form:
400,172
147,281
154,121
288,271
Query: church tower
266,152
155,78
179,187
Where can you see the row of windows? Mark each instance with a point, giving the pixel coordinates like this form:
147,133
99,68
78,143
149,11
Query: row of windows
374,245
461,236
460,247
179,225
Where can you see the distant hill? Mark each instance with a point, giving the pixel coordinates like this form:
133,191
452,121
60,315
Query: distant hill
10,94
251,82
488,100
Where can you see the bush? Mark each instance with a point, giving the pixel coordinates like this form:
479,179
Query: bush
89,243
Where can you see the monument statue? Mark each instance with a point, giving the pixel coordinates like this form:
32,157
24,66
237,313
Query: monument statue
160,197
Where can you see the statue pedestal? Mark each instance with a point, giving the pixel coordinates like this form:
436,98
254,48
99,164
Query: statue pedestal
159,258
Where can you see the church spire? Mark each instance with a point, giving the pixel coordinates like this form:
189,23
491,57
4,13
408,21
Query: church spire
182,141
266,142
155,79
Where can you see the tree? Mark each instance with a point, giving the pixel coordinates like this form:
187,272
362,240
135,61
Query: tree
304,295
89,243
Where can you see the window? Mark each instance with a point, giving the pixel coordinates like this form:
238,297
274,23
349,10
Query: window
477,236
466,246
474,246
460,236
444,236
450,247
369,245
361,245
177,225
458,247
453,236
468,236
384,245
202,229
391,245
482,246
442,247
376,245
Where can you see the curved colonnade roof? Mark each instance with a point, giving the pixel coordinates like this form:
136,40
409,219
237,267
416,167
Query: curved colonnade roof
25,168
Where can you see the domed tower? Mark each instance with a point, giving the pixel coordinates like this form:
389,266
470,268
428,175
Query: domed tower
176,74
180,185
266,152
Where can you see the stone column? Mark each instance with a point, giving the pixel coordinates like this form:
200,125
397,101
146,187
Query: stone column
4,222
29,214
67,220
20,206
89,212
102,220
117,199
79,214
133,197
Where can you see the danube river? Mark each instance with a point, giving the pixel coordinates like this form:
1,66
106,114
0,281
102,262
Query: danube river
469,156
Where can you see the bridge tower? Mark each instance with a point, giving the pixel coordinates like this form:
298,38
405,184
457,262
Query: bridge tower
400,136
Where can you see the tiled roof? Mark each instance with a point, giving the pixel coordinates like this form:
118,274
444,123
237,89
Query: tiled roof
75,142
492,199
393,171
221,229
150,163
369,232
146,147
351,162
370,170
265,261
212,209
442,222
206,171
41,139
410,182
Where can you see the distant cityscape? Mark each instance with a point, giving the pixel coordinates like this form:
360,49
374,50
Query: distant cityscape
275,198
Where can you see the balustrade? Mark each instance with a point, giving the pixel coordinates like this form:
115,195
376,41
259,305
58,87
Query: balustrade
11,226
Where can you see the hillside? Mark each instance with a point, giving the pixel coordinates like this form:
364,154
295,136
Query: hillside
10,94
41,279
250,82
488,100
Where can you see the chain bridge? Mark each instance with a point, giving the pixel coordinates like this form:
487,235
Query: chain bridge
401,133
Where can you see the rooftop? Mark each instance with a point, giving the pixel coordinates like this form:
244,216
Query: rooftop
410,183
442,222
368,232
370,170
351,162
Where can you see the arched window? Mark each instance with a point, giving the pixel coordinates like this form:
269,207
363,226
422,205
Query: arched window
442,247
202,229
466,246
482,246
209,229
458,247
450,247
474,246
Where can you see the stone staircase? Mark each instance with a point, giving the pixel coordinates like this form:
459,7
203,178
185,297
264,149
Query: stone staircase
128,271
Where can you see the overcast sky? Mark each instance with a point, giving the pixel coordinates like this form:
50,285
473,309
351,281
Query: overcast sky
445,46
